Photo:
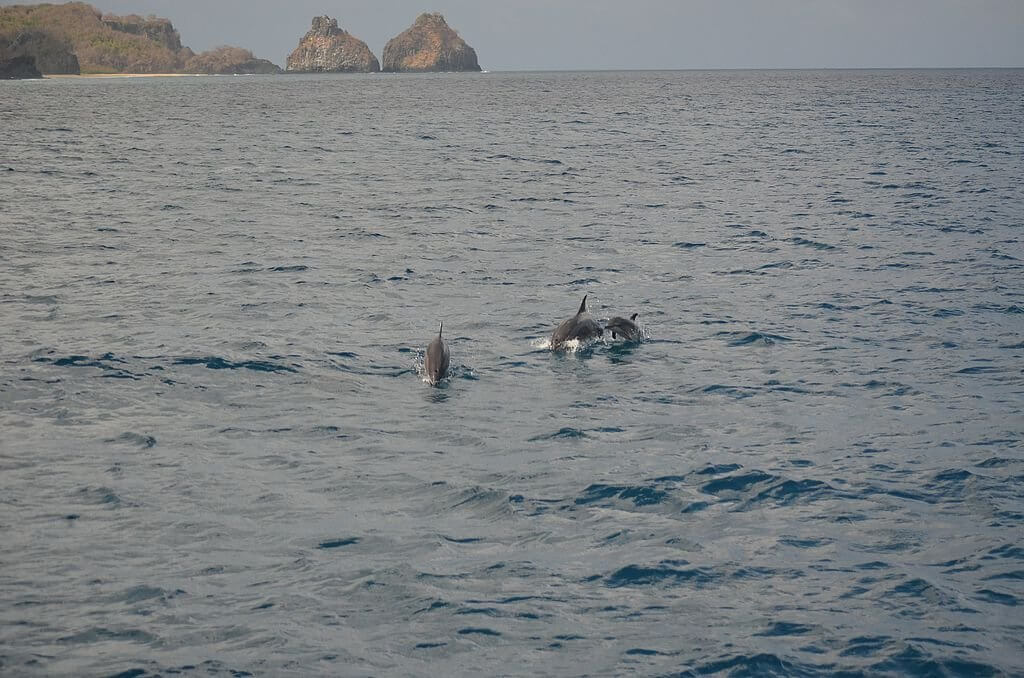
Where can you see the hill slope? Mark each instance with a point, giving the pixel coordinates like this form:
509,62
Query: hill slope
64,38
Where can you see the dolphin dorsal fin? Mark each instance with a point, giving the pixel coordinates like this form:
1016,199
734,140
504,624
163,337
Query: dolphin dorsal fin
440,329
633,317
583,306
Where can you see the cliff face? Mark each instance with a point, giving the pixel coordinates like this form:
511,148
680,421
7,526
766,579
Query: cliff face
19,68
429,45
158,30
329,49
49,53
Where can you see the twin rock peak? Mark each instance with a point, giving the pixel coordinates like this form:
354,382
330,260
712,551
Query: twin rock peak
428,45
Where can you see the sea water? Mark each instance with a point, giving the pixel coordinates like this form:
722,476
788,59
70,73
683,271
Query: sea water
217,456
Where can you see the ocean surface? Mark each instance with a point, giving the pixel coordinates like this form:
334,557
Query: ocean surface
218,455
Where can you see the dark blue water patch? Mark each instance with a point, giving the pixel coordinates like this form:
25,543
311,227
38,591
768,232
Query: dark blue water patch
979,369
643,652
99,363
806,543
785,629
913,661
737,483
338,543
217,363
789,492
736,392
98,635
463,540
717,469
776,265
567,433
873,565
748,338
811,243
998,462
866,646
1013,309
999,598
1014,575
99,495
478,631
1012,551
483,611
688,245
638,495
667,572
138,439
765,664
695,507
429,646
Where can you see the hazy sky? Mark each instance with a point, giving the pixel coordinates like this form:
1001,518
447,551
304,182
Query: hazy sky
596,34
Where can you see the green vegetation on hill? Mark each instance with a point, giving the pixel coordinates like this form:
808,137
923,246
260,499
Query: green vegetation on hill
56,34
229,61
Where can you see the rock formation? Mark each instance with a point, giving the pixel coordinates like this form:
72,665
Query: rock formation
19,68
429,45
158,30
329,49
50,53
229,61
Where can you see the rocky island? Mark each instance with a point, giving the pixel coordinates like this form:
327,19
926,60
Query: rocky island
429,45
77,38
329,49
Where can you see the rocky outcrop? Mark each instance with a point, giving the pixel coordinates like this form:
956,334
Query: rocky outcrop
429,45
329,49
19,68
50,53
229,61
158,30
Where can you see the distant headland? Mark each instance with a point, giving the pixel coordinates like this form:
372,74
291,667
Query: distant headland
77,39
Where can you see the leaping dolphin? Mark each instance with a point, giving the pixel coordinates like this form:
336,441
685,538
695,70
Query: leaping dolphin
627,329
580,327
435,364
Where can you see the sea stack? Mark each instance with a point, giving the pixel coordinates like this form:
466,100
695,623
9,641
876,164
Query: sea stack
429,45
329,49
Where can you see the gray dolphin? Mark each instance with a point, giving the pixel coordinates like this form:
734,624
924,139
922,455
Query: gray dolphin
580,327
627,329
435,364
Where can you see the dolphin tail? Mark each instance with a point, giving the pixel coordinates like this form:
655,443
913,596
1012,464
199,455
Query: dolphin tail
583,306
633,317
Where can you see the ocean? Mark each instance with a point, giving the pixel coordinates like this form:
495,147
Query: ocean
218,455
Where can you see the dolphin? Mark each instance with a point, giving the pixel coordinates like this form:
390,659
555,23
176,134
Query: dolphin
627,329
435,364
580,327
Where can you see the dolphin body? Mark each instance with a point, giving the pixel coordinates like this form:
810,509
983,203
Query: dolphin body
580,327
627,329
437,359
